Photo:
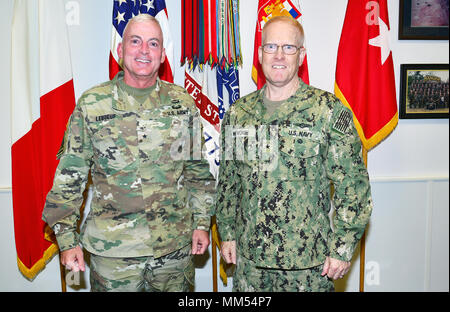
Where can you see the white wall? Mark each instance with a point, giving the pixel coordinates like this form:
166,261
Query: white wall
407,238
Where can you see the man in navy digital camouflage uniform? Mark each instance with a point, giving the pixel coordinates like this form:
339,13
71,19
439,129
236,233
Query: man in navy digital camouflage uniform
281,147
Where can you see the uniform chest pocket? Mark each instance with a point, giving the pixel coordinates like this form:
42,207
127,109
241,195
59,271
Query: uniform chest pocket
245,169
113,145
299,158
164,139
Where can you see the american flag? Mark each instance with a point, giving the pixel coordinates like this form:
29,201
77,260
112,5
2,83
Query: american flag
123,11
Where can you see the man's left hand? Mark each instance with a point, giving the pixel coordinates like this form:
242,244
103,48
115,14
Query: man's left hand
335,268
200,241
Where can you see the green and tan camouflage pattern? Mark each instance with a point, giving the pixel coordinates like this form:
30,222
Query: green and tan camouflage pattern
276,204
174,272
147,199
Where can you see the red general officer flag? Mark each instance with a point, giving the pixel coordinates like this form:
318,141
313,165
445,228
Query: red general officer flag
123,11
266,10
365,73
42,99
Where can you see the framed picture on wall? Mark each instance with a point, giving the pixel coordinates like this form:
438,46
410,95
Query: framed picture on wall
424,91
423,19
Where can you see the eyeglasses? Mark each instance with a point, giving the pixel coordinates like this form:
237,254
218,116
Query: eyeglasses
288,49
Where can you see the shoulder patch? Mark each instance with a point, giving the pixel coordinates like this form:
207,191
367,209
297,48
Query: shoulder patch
63,146
343,121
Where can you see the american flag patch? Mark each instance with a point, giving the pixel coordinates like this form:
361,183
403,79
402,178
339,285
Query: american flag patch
343,122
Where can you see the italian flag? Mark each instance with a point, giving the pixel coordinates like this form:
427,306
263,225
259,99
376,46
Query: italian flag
42,99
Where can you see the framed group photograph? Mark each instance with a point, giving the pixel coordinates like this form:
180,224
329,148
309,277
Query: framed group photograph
424,91
423,19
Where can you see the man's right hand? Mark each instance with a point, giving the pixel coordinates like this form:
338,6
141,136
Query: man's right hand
73,259
228,251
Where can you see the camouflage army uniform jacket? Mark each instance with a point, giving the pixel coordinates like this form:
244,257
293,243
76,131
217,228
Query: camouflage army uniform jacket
276,208
146,199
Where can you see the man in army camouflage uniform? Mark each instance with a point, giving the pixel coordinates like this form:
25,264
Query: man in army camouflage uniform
150,198
274,183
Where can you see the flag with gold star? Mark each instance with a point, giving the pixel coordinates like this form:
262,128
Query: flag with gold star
365,72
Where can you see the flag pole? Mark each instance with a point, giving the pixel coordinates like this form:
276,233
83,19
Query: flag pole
62,276
214,257
362,252
362,257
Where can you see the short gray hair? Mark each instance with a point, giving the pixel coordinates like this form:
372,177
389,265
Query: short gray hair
287,20
140,18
